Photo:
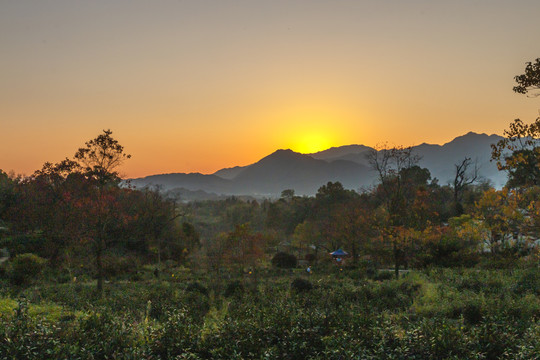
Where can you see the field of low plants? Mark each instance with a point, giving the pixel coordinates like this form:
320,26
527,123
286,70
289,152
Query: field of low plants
278,314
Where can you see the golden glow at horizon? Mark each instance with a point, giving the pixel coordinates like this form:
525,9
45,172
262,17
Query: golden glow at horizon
308,143
311,126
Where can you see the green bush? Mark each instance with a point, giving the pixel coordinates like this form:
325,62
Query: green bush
528,282
176,339
301,285
114,266
472,312
234,288
284,261
26,268
197,287
383,275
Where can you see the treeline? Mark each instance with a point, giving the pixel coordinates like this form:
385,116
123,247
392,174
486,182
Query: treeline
409,221
79,216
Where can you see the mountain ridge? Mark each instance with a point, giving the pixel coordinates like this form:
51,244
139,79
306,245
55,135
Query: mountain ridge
305,173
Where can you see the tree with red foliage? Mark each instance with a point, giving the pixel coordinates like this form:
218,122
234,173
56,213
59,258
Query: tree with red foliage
99,160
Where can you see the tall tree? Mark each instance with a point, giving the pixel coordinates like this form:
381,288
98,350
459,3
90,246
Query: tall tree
397,171
156,226
463,178
240,248
100,159
500,214
7,196
519,152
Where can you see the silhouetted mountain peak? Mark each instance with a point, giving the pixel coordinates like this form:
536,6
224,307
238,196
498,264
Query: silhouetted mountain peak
472,136
305,173
284,155
340,152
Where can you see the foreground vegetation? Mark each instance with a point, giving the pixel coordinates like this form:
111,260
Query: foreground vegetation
278,314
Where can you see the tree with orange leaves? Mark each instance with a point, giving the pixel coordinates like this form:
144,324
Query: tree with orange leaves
500,214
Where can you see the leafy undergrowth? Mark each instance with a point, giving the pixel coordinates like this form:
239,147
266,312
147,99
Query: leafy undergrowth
443,314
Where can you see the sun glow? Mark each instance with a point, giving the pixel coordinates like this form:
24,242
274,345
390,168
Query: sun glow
308,143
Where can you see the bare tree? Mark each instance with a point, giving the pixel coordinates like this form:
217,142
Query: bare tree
464,177
389,165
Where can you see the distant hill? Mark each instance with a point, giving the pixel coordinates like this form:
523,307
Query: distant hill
286,169
306,173
199,195
356,153
192,182
229,173
439,159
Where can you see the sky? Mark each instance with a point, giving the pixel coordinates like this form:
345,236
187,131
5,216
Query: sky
200,85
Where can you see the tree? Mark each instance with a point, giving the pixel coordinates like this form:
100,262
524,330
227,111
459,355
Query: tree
457,244
391,165
156,225
284,215
307,236
500,215
352,226
530,80
529,205
99,160
7,197
240,248
287,194
45,208
519,153
463,179
397,180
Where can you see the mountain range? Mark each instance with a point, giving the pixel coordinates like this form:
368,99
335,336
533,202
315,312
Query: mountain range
306,173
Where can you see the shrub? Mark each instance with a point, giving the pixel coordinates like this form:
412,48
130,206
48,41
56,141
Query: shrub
197,305
25,268
301,285
114,266
472,313
234,288
197,287
383,275
284,260
528,282
176,338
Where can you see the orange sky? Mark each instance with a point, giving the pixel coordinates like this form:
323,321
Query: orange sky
195,86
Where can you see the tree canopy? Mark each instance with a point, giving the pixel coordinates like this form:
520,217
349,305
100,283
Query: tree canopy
530,80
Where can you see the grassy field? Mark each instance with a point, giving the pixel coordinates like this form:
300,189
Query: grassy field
436,314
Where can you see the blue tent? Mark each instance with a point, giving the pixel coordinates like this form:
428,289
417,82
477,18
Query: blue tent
339,253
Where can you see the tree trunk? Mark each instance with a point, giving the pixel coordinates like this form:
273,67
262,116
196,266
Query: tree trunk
99,266
396,260
159,260
354,254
